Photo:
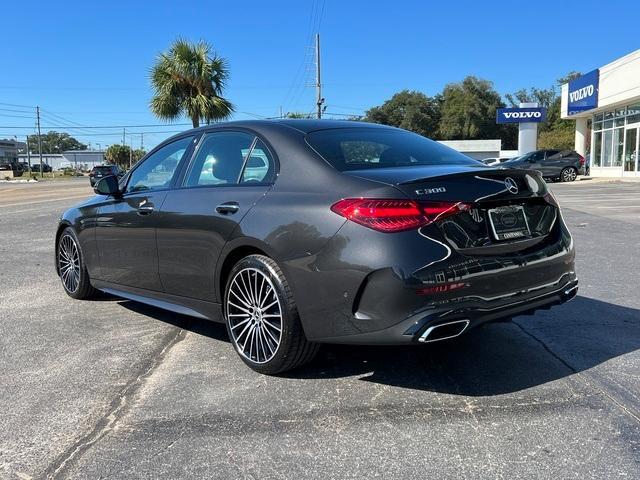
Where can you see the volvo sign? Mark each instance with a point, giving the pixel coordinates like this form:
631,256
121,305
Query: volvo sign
521,115
583,93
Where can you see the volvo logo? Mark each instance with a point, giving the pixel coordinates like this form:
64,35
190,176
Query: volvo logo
581,93
511,185
523,115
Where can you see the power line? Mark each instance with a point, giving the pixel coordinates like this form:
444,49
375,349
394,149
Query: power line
107,126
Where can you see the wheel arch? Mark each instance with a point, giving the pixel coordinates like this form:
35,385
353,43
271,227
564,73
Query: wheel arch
232,253
62,226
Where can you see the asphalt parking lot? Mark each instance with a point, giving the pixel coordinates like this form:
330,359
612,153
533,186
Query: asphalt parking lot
115,389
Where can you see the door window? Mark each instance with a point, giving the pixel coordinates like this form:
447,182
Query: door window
229,158
259,167
157,170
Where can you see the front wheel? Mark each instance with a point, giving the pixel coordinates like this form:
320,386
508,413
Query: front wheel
568,174
71,268
262,318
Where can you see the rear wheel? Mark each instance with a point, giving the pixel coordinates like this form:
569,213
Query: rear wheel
71,268
262,318
568,174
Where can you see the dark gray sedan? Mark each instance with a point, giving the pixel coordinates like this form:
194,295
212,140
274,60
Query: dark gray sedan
563,165
300,232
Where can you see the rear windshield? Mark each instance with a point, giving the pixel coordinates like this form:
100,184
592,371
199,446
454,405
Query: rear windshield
361,148
104,169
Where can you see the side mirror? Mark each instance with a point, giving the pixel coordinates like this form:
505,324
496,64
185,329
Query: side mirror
107,186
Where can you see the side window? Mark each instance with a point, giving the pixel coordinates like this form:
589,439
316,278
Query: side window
159,168
553,154
537,156
219,159
259,167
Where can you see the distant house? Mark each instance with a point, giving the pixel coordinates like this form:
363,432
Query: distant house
79,159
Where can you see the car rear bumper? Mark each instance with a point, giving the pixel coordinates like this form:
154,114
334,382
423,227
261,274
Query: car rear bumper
406,289
422,327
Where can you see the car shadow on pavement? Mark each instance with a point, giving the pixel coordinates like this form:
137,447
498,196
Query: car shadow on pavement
200,326
493,359
496,358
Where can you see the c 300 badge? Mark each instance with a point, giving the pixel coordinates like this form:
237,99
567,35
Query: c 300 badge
427,191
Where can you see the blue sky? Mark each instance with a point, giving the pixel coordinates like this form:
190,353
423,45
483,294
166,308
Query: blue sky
87,63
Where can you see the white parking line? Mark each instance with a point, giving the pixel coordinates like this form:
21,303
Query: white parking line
21,204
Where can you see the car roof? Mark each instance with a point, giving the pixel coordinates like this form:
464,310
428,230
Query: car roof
301,125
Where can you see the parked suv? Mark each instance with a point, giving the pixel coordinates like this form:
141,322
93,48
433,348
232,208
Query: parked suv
102,171
564,165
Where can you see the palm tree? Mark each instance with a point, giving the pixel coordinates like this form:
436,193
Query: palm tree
188,80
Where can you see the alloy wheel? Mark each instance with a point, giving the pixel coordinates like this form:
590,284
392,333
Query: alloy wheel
254,314
69,263
569,175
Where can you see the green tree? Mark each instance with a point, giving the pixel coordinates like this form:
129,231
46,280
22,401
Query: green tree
297,115
469,110
55,142
189,79
137,154
119,155
410,110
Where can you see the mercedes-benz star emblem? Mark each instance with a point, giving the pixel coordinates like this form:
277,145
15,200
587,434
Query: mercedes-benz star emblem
511,185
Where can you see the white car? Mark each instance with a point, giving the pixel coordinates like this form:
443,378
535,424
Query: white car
495,160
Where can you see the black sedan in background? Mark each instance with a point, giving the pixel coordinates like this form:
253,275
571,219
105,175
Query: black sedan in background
563,165
300,232
102,171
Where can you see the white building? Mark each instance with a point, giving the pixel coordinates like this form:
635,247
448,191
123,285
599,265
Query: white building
606,106
77,159
480,149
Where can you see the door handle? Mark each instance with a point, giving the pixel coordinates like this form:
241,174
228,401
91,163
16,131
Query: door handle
145,209
228,208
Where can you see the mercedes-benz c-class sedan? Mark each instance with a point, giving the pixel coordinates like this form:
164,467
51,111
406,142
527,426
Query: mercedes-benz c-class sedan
296,233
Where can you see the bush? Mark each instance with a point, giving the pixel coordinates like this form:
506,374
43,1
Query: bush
558,139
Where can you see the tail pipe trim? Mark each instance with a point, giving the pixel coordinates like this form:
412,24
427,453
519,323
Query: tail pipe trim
444,331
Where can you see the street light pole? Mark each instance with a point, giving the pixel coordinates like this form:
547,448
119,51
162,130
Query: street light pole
39,139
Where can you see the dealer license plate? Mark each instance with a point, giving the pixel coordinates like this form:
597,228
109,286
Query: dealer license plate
509,223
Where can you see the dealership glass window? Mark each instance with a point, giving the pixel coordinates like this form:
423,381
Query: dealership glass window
633,114
631,150
608,120
620,117
607,148
618,145
597,148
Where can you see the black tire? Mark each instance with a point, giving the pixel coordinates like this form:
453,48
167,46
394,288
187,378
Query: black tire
80,289
281,350
568,174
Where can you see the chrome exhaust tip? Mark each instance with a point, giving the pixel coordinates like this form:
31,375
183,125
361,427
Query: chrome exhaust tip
444,331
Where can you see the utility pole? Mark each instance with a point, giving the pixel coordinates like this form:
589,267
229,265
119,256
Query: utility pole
319,99
39,139
124,131
29,156
141,141
130,151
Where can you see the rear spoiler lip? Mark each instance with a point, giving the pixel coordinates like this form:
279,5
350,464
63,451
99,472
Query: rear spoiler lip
504,172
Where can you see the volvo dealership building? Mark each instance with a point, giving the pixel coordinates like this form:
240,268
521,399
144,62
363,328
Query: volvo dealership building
605,103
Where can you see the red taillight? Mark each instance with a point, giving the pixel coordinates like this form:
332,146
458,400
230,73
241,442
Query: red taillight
390,215
581,159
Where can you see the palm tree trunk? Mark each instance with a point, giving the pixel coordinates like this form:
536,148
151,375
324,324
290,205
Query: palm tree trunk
196,121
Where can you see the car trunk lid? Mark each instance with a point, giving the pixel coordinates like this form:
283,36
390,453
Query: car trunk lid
505,210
